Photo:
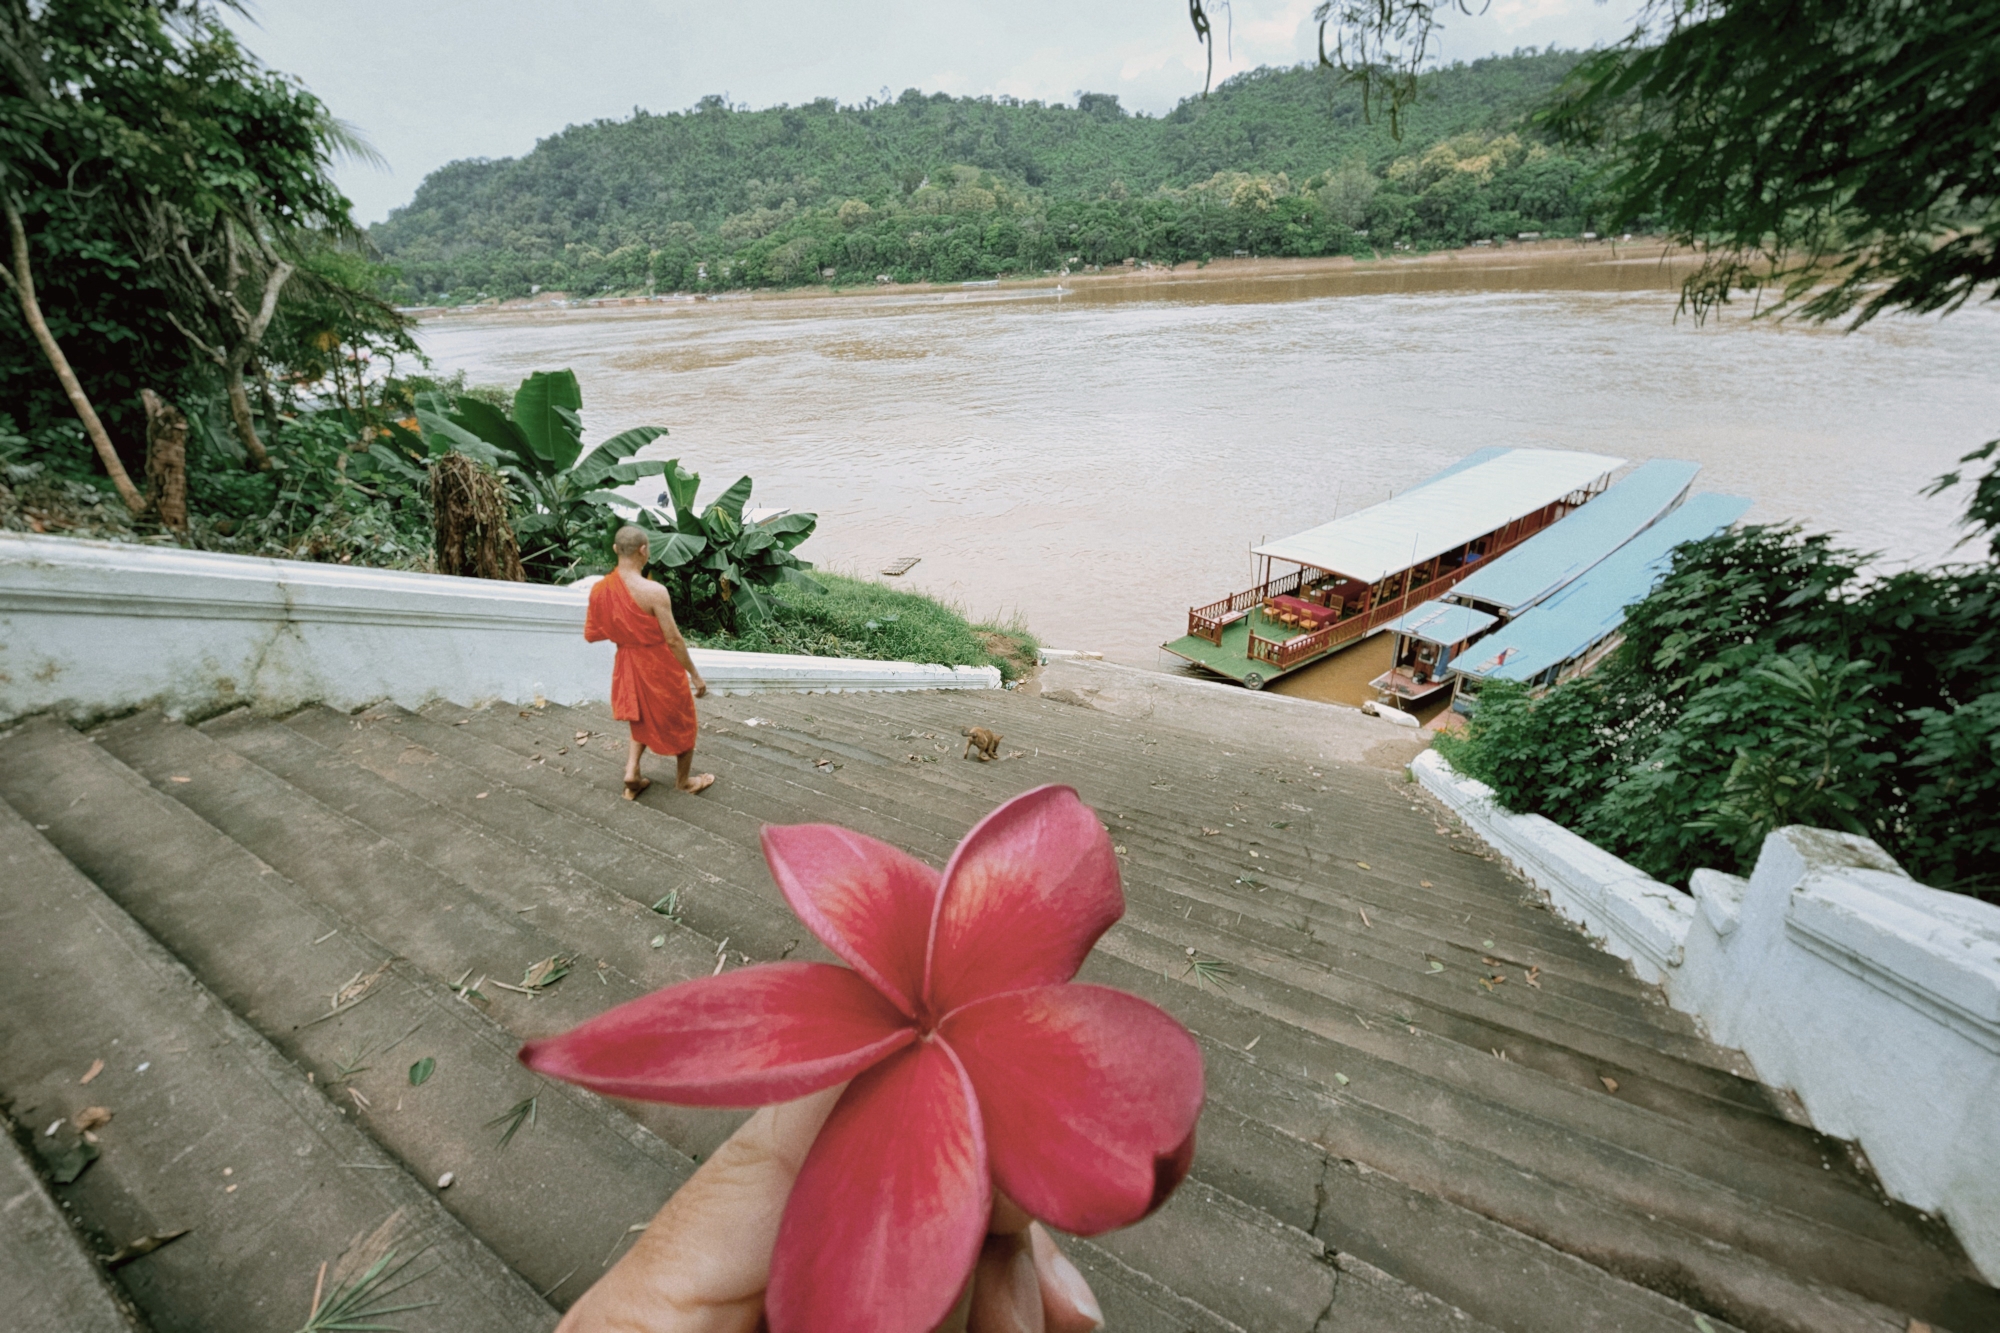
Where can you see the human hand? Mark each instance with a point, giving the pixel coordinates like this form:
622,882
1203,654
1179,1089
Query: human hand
700,688
702,1264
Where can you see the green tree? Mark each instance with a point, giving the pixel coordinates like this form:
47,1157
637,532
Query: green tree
1843,154
172,190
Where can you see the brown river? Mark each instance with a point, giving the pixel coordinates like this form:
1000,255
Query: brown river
1094,459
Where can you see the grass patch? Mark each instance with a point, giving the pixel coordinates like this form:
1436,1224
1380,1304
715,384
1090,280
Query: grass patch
859,618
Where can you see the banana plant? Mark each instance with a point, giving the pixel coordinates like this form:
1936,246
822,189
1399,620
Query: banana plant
567,517
726,567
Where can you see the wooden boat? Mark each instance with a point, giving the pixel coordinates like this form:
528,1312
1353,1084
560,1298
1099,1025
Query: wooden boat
1571,631
1427,640
1333,585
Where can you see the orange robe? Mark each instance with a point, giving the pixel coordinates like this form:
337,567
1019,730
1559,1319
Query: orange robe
649,686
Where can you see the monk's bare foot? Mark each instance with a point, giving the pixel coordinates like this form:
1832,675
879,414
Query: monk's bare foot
633,786
698,784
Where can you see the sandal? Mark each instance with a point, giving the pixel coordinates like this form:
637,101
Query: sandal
633,786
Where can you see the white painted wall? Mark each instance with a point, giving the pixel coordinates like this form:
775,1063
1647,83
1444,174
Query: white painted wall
88,628
1874,998
1632,915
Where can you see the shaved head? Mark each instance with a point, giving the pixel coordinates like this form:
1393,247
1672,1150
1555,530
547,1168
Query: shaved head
631,541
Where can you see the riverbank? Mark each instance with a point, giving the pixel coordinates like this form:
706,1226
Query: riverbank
1638,264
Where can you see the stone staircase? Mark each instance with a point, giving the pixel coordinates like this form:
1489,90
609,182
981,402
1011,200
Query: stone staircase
1431,1104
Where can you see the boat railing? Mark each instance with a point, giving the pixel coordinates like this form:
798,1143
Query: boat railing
1206,622
1284,654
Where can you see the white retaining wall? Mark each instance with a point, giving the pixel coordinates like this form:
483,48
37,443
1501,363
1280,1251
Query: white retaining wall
1874,998
90,627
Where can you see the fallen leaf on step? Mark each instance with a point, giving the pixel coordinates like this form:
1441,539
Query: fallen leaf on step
422,1070
1341,1079
1436,966
92,1117
1487,943
547,972
357,986
1253,1042
1610,1084
482,796
1535,977
461,722
1211,832
1363,864
581,736
1918,1326
178,778
1424,883
96,1068
140,1248
1121,850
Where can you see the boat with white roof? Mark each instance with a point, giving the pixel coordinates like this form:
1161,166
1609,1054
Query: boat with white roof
1329,587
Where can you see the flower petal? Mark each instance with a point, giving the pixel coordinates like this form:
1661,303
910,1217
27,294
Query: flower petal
1089,1096
1025,896
867,901
889,1211
747,1038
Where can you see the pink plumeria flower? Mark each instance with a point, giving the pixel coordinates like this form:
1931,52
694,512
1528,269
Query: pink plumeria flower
975,1061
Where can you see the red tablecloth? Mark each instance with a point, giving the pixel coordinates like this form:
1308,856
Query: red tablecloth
1318,615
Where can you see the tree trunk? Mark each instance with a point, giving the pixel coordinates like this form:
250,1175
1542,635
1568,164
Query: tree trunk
469,521
166,460
22,280
239,412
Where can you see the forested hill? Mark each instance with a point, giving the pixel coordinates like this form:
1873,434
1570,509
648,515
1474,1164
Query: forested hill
942,188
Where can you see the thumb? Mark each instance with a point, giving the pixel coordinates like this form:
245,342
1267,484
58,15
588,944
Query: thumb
705,1258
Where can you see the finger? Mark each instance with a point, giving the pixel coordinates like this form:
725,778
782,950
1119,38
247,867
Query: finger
703,1262
1068,1305
1006,1291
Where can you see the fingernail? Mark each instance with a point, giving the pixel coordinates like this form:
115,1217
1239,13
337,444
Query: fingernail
1074,1289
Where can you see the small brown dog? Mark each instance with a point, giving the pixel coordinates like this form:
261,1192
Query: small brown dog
984,741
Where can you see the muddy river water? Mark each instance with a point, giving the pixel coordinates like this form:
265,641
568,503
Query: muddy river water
1096,460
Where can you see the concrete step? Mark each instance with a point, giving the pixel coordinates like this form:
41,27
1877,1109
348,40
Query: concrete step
291,831
1384,960
1176,819
1513,1016
1738,1274
1854,1207
50,1279
212,1129
552,1202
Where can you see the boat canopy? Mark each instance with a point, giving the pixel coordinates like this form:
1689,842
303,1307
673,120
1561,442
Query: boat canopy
1592,607
1551,558
1443,623
1444,514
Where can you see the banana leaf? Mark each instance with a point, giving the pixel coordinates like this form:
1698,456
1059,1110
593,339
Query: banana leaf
788,530
610,459
681,488
444,435
674,549
490,424
545,408
723,526
731,501
753,603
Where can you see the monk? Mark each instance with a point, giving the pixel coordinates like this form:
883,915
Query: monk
654,682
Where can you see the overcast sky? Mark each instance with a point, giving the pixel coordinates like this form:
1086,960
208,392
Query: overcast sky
430,81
